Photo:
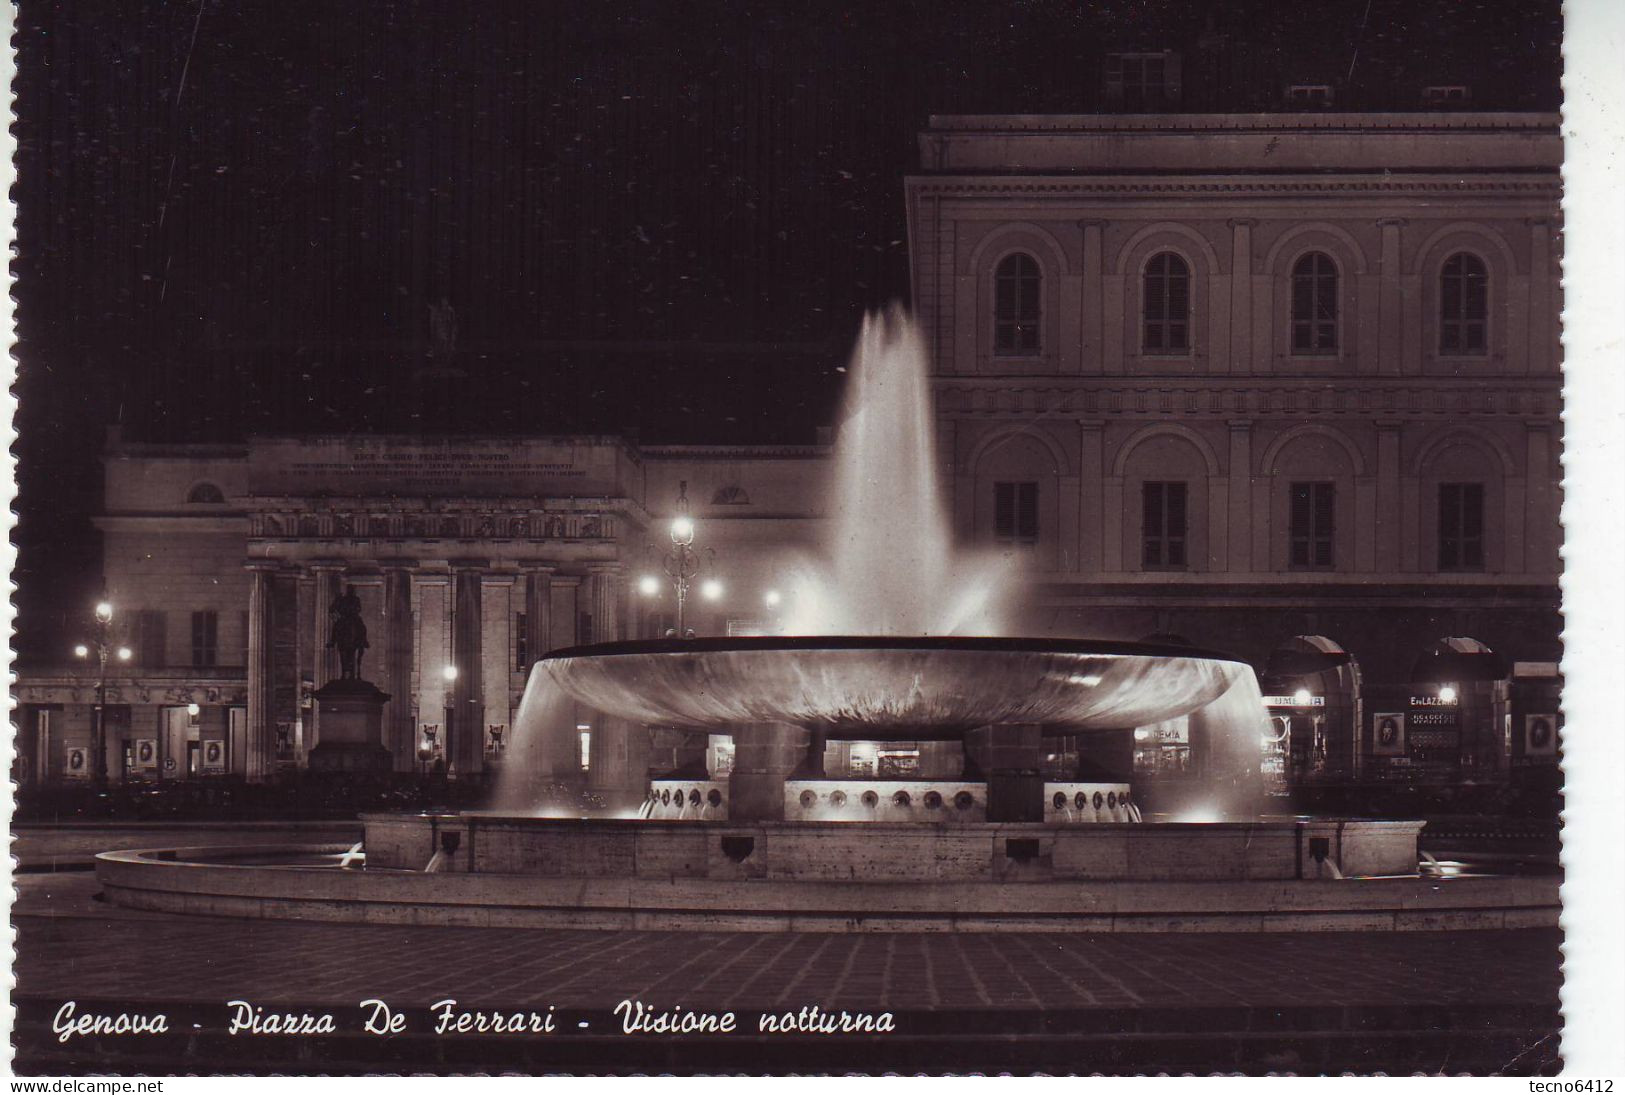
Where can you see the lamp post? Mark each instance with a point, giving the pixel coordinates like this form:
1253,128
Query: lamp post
101,649
682,563
450,674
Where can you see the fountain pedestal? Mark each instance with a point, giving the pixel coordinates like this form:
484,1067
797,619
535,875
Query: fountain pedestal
352,719
1105,756
1010,757
618,764
765,754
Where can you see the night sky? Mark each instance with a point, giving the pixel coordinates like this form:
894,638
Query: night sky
234,218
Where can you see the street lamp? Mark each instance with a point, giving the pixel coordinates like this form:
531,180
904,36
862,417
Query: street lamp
682,562
101,648
450,674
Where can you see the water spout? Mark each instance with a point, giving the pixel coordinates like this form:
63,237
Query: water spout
892,567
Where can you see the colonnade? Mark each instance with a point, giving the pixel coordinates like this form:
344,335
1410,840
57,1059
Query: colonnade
490,621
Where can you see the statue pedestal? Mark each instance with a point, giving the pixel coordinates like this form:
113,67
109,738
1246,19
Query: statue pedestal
352,724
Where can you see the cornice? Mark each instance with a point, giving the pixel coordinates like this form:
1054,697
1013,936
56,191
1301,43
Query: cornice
1002,183
1228,399
229,686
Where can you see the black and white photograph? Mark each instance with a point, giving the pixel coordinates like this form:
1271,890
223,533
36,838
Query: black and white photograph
1025,537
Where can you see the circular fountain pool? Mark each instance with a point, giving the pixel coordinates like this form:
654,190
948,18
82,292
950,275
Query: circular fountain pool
884,688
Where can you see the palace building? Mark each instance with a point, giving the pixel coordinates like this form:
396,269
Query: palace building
1286,385
1281,384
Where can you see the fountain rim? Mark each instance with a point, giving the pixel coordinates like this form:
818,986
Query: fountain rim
973,644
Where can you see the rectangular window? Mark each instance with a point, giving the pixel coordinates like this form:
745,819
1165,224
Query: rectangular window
1312,525
1163,527
150,645
205,638
1015,513
1461,526
1142,81
1446,95
521,644
1309,96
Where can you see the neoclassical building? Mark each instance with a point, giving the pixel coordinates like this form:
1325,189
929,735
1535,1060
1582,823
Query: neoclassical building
1286,385
467,554
1256,378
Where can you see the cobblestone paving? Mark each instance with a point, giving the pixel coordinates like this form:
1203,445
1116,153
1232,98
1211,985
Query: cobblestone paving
70,945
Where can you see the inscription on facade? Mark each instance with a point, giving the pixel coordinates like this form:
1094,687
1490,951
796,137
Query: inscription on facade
392,467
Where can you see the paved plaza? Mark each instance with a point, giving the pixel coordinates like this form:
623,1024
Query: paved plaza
1429,1001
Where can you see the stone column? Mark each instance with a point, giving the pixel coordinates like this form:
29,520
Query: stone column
1390,338
1241,296
570,586
1091,306
260,762
538,610
1010,757
497,596
603,583
1092,495
1240,501
324,664
395,649
468,712
1535,526
324,584
1390,517
765,754
1544,350
618,753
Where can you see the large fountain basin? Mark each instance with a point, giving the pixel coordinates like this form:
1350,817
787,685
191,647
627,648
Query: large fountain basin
892,689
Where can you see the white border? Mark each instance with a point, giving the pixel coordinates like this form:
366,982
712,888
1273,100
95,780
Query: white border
1594,496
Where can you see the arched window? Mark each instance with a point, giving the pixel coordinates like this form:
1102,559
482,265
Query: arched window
1464,291
1017,287
1167,305
1314,305
205,492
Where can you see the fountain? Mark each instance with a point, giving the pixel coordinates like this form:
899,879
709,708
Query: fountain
899,637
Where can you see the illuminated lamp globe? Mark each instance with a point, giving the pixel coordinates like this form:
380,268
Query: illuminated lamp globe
81,651
648,585
1302,696
1447,693
711,589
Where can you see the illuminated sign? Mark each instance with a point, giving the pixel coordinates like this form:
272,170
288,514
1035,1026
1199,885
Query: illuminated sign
1431,701
1292,701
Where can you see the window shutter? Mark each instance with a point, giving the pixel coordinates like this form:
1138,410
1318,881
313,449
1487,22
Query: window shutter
1472,525
1176,510
1027,514
1004,510
1298,522
1152,509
